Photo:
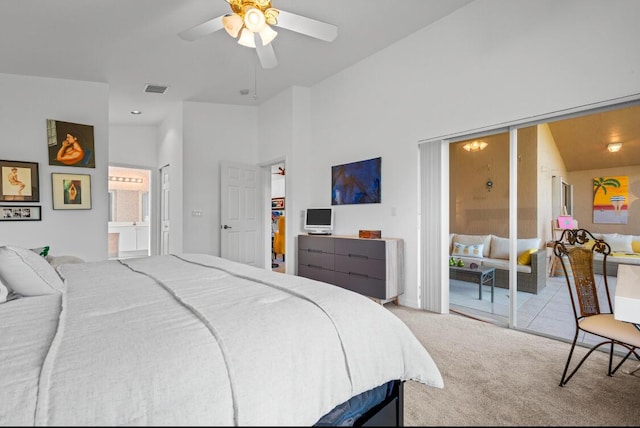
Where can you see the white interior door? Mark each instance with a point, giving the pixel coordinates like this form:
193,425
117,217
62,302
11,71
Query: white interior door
240,213
164,210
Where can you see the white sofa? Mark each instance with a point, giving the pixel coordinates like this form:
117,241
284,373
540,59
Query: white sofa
493,251
625,249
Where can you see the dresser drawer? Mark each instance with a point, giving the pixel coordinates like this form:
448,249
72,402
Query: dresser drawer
316,273
315,244
360,247
373,268
316,259
368,286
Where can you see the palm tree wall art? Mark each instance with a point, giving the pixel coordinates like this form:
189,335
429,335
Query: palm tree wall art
610,199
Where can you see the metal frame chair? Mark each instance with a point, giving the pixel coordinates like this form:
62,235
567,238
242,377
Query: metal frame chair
574,247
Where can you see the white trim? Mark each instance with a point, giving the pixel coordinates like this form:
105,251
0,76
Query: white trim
434,227
513,225
612,104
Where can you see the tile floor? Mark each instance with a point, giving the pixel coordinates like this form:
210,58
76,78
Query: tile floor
547,313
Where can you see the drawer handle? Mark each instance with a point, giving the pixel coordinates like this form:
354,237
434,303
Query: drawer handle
359,274
314,266
311,250
360,256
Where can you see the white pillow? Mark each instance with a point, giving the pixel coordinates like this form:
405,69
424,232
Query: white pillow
460,250
618,243
485,240
499,248
56,261
524,244
3,292
27,273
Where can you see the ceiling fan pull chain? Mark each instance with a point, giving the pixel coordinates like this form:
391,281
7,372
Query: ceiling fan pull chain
255,82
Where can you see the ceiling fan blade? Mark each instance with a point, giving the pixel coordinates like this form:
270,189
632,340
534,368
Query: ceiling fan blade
266,54
201,30
310,27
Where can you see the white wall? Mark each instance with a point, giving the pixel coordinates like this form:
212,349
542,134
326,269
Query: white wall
212,133
491,62
135,146
25,105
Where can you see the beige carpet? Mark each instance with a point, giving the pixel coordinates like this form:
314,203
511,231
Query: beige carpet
497,376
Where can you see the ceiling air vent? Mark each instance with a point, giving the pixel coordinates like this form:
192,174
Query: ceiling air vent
155,89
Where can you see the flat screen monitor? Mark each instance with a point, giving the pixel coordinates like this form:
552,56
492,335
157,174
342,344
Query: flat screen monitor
318,221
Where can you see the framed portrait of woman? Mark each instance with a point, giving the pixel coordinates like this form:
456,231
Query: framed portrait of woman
70,144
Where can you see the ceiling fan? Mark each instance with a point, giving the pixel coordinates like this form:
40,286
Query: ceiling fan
251,23
279,172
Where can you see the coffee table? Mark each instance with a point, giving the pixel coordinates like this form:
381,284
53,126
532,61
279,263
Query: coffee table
480,275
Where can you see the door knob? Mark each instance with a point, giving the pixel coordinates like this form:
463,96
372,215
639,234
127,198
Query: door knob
226,227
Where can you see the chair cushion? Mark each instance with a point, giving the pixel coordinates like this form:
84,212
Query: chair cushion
606,325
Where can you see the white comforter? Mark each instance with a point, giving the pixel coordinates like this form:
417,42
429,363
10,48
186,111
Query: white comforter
193,340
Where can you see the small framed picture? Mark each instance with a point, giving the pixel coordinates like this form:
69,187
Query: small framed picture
20,213
277,203
565,222
19,181
71,191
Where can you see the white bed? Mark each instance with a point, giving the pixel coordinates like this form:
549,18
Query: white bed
192,339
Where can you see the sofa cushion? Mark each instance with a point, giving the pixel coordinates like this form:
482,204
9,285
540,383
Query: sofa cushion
461,250
485,240
618,243
524,244
500,246
504,265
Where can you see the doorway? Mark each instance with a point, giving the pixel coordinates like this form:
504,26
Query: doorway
278,247
521,174
129,212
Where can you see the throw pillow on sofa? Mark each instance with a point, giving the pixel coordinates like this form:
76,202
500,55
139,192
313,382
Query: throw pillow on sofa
485,240
525,257
618,243
460,250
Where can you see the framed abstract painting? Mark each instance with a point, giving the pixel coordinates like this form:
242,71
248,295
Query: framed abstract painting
356,182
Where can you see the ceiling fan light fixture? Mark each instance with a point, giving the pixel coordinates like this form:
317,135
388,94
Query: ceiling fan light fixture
267,34
254,19
246,38
232,24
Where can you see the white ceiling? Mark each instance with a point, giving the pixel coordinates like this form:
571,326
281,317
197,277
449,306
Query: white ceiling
131,43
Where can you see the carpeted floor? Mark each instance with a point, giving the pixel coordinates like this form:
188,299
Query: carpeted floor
497,376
